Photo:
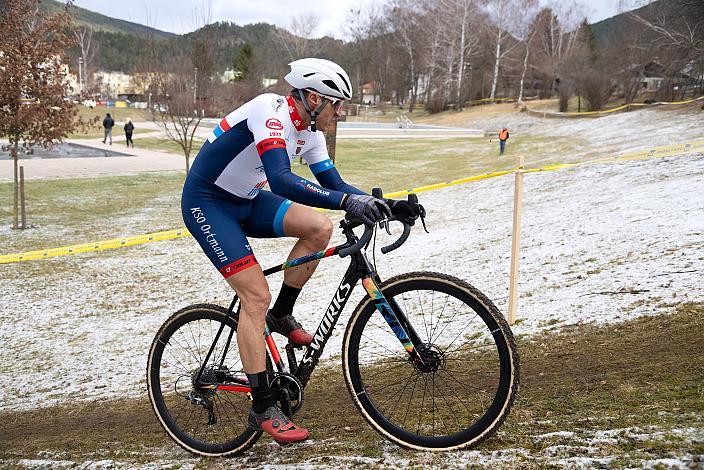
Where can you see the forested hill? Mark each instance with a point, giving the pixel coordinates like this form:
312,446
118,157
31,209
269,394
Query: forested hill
120,50
120,43
105,23
685,14
273,47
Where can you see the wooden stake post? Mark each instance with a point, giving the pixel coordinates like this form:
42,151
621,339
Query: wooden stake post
515,243
22,203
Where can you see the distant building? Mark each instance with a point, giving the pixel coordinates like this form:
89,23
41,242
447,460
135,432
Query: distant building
422,89
112,84
653,76
71,80
371,93
231,75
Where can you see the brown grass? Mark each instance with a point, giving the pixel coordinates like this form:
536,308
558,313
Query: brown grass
645,372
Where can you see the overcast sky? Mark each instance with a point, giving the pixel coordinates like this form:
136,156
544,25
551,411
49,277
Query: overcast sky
181,17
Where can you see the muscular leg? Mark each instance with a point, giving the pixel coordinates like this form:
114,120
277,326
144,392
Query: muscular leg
252,289
313,231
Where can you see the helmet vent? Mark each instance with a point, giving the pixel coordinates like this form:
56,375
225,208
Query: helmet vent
306,75
331,84
345,82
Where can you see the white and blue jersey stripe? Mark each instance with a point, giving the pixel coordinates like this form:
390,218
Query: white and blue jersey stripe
223,200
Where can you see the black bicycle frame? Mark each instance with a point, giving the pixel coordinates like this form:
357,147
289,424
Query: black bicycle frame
359,269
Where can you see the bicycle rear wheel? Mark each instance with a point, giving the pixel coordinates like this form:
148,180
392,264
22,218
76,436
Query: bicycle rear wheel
461,390
211,423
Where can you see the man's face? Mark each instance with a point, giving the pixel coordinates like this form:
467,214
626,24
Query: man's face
331,111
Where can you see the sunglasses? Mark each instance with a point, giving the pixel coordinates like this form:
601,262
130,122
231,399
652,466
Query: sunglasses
336,102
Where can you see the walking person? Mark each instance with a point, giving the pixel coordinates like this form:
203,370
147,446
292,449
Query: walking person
129,129
503,137
108,124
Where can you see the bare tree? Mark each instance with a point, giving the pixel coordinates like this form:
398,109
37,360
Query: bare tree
632,51
88,48
507,16
181,86
679,23
467,44
297,38
589,71
554,41
33,79
437,41
372,54
406,24
180,102
523,28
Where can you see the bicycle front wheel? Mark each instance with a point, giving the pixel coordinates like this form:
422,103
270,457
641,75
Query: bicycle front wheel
205,422
460,389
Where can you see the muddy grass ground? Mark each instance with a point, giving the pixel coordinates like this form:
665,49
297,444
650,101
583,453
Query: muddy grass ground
619,395
625,394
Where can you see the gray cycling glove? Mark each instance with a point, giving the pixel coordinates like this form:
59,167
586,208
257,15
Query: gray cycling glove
367,208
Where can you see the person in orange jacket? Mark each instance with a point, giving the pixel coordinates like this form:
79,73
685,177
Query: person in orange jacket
503,137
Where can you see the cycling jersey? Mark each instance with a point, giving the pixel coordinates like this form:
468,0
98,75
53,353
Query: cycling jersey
223,201
253,144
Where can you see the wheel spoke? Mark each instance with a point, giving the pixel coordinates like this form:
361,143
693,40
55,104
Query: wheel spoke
181,353
394,353
454,381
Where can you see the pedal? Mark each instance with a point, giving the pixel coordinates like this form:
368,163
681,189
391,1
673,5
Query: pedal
284,402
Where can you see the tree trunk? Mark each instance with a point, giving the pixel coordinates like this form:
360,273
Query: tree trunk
16,187
496,65
22,200
448,86
523,74
414,85
460,71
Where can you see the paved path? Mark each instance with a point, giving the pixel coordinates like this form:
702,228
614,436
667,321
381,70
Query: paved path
140,160
152,160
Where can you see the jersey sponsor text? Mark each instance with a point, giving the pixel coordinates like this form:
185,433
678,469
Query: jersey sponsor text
274,123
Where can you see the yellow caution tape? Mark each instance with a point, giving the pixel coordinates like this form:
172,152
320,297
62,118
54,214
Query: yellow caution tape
612,110
484,100
94,246
448,183
668,151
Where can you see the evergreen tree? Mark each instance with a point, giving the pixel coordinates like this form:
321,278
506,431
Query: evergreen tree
244,62
589,40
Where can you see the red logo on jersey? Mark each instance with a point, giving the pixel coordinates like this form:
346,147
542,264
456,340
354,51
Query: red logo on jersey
274,124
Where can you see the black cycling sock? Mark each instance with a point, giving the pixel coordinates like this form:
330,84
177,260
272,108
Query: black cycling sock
284,302
261,393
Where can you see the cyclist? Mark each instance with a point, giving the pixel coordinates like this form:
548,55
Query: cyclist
223,203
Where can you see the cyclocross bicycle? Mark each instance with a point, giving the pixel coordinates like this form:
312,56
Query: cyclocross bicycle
428,359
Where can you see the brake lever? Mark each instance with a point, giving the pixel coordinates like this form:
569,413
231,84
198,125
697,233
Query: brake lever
385,225
422,219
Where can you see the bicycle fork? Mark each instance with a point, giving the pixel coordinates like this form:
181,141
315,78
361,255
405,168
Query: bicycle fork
396,319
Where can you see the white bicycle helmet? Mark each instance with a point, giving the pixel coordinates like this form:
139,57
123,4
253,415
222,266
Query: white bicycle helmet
320,75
